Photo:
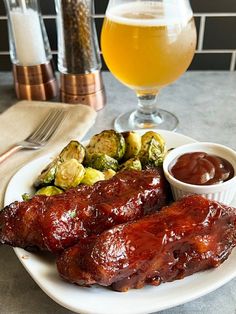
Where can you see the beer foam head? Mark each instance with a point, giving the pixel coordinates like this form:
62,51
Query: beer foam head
150,13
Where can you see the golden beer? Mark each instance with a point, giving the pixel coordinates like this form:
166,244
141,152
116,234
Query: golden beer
144,48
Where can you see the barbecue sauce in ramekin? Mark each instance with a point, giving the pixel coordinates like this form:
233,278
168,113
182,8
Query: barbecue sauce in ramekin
200,168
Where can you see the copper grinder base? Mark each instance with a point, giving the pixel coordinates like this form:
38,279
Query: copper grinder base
87,89
37,82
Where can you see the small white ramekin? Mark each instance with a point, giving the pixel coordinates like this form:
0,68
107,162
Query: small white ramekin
221,192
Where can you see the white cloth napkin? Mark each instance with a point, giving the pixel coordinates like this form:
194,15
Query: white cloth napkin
20,120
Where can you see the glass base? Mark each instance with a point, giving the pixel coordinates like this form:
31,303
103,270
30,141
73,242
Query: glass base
161,119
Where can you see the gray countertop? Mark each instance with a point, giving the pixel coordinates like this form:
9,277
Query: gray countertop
205,104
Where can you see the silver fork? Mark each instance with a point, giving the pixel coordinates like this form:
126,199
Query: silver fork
40,136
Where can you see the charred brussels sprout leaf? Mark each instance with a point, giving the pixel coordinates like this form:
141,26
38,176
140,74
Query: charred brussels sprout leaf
92,176
153,149
49,190
69,174
102,162
131,164
133,144
109,173
47,176
109,142
74,150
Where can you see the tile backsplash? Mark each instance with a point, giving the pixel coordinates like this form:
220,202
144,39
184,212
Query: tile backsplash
215,22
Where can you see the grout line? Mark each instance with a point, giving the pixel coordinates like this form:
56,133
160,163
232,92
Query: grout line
53,16
233,61
6,52
48,17
215,51
201,33
226,14
100,16
45,17
209,51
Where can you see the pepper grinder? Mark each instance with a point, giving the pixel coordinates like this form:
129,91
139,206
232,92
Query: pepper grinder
79,59
33,70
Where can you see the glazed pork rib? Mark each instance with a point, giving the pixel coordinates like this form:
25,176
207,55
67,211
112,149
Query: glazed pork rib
56,222
190,235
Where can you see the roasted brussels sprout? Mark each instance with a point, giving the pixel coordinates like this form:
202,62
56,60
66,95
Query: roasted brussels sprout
102,162
47,176
92,176
153,149
49,190
131,164
108,142
26,197
69,174
73,150
133,144
109,173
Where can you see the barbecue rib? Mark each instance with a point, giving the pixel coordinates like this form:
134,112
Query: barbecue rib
190,235
56,222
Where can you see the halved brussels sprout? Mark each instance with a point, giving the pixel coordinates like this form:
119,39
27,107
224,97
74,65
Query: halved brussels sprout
131,164
47,176
153,149
133,144
108,142
69,174
92,176
109,173
49,190
73,150
102,162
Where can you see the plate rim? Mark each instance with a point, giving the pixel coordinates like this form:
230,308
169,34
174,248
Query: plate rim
152,307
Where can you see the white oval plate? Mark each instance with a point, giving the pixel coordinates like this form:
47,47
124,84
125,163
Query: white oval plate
100,300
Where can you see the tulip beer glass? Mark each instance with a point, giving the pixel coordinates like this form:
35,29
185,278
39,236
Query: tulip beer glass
147,45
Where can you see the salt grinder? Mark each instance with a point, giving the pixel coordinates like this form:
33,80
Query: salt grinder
33,70
79,59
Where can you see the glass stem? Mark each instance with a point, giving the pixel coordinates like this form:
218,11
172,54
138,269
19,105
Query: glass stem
147,103
147,115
